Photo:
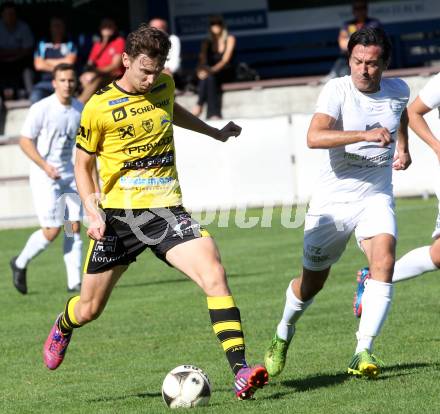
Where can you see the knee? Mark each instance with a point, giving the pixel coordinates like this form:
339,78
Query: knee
213,281
50,233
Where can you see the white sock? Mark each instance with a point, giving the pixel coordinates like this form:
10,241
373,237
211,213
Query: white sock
413,264
72,259
376,302
34,246
293,309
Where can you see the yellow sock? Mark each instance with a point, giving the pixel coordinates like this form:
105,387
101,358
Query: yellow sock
68,320
226,322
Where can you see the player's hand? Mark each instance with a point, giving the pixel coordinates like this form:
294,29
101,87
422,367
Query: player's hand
96,227
402,160
228,131
51,171
380,135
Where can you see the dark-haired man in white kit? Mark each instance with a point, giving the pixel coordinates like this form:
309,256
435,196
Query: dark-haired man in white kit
361,120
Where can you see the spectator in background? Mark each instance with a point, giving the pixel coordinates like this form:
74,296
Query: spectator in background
360,20
105,60
215,67
16,44
50,54
172,64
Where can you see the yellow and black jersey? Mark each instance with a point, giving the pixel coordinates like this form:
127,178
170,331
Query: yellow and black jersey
132,136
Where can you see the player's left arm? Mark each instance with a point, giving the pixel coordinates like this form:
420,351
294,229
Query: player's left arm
187,120
402,158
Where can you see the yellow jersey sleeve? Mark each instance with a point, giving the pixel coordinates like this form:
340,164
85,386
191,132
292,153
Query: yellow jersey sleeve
89,132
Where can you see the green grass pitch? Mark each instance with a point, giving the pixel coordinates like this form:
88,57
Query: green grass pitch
156,320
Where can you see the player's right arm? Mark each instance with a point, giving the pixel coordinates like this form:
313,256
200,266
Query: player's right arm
85,166
27,145
321,134
30,132
87,140
418,124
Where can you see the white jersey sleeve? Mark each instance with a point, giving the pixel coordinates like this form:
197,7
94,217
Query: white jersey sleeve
330,100
33,123
430,93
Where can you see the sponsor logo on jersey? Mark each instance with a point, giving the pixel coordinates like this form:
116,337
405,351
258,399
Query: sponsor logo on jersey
148,108
129,182
126,131
83,133
148,147
398,106
154,161
185,226
158,88
118,101
314,254
119,114
164,119
148,125
106,245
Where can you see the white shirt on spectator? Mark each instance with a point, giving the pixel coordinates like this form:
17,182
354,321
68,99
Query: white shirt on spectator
173,59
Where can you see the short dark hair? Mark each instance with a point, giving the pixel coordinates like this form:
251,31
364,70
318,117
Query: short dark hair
371,36
61,67
148,41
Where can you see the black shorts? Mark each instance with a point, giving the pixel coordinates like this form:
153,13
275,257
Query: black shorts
129,232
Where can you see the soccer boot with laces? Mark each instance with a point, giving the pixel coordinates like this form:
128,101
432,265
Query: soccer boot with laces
365,364
248,380
362,276
55,346
275,357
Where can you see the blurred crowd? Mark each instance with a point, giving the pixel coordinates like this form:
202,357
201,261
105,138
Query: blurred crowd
27,63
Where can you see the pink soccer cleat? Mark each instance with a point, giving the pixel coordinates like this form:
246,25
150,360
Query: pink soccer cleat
248,380
55,346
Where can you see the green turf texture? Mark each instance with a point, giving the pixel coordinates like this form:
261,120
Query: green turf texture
156,320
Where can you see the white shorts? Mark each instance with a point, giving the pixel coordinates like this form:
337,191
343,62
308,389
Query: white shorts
327,230
55,200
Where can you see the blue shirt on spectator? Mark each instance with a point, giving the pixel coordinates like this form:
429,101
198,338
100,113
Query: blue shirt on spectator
47,50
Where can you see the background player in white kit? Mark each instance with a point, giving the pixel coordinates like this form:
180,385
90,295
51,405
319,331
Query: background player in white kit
47,138
358,119
427,258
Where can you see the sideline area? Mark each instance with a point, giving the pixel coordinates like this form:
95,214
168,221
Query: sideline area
274,115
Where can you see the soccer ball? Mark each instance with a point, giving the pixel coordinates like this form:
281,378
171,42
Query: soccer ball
186,386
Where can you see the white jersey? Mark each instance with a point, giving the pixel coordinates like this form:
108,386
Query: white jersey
54,127
430,93
355,171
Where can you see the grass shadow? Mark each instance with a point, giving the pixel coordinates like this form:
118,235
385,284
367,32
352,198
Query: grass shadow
181,279
125,397
328,380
